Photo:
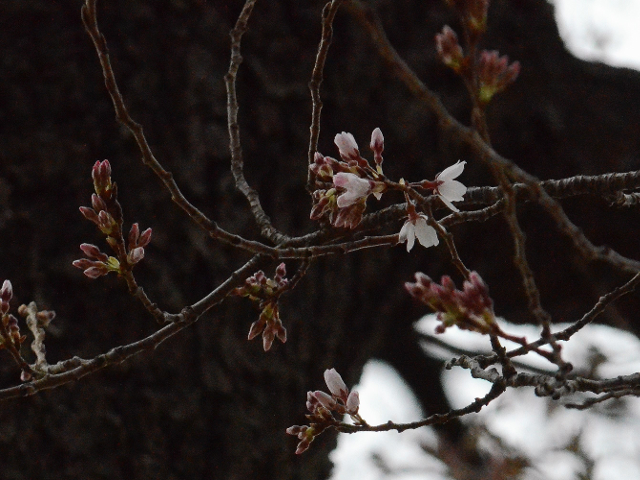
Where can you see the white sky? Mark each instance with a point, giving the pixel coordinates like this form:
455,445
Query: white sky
603,30
599,30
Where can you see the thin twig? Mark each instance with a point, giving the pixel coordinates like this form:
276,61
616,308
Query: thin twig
76,368
328,14
237,162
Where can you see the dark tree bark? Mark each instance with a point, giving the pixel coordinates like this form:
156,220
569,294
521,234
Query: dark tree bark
208,403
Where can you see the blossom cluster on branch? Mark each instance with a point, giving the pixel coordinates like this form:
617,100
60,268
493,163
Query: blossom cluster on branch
340,189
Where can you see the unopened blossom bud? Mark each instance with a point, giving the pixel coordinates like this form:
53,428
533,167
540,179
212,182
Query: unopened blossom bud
449,49
101,175
347,146
312,402
98,203
281,271
335,384
135,255
106,222
95,272
353,403
93,252
321,168
325,399
377,145
89,214
297,429
145,238
134,235
6,292
495,74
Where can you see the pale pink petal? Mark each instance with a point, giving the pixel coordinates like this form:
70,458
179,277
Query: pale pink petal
356,188
451,172
449,204
452,190
407,234
426,234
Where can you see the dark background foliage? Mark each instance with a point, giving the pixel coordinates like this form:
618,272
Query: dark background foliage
207,403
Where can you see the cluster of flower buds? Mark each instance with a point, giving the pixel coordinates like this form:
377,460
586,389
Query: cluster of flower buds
470,308
322,406
495,74
10,331
473,14
98,263
136,243
106,214
266,291
492,72
343,186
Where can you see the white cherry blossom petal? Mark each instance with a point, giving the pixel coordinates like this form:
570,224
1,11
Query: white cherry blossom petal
454,171
356,188
407,234
418,228
448,189
426,234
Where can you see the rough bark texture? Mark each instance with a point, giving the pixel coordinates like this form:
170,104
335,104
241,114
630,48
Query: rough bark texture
209,404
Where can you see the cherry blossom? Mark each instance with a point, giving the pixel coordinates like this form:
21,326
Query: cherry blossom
448,189
356,188
416,227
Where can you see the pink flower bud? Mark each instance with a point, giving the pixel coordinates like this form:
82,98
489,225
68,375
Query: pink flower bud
134,235
95,272
136,255
101,175
377,145
335,384
89,214
449,49
296,429
256,328
325,399
347,146
353,403
93,252
105,222
98,203
6,292
145,238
